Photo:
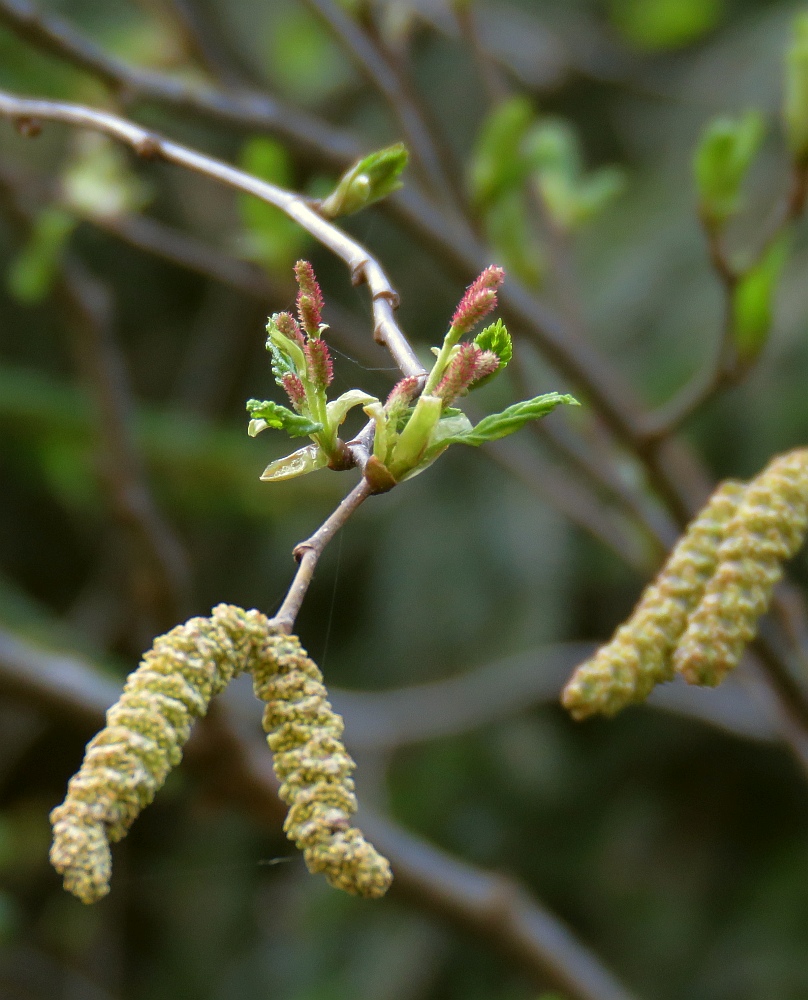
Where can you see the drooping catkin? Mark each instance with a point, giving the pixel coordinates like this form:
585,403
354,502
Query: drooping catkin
639,654
128,761
768,528
304,734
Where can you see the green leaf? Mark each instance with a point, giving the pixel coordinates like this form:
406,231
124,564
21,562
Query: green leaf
266,413
339,408
442,435
572,197
413,440
495,338
795,107
666,24
299,463
508,230
753,302
34,270
498,163
722,160
373,177
499,425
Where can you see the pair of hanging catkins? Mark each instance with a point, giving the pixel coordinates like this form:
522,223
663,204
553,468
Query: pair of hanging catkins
698,615
128,761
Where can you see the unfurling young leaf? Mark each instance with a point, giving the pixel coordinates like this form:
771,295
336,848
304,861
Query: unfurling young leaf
495,338
372,178
723,158
514,418
795,109
299,463
753,302
572,197
268,414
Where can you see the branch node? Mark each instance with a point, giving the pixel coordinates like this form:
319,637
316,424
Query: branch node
149,147
28,127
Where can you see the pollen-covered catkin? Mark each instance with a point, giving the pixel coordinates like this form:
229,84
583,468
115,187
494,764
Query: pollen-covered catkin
639,654
128,761
304,734
767,529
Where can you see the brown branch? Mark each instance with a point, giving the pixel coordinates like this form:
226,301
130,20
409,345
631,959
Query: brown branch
247,109
725,369
362,265
309,551
445,232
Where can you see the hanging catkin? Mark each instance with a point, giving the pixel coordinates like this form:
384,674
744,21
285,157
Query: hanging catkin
128,761
639,654
767,529
304,734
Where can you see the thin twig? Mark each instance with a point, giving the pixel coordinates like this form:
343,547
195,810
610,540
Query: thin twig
248,109
309,551
362,265
726,368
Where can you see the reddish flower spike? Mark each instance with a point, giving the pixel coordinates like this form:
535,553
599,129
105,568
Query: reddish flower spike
479,299
403,392
487,364
318,362
462,371
309,299
287,325
294,390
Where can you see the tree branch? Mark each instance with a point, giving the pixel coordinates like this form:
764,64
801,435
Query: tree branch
362,265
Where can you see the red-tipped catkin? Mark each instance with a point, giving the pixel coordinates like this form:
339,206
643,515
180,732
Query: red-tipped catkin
294,390
318,362
309,299
479,299
460,373
288,326
639,655
768,528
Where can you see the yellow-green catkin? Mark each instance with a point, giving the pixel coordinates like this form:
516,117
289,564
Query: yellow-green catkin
128,761
638,656
768,528
304,734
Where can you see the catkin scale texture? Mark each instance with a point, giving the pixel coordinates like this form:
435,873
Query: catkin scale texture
128,761
767,529
638,656
304,734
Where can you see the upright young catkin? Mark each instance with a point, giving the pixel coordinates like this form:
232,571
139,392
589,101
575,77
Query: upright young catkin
767,529
128,761
639,654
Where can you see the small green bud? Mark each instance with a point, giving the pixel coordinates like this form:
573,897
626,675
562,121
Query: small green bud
372,178
722,160
753,302
795,108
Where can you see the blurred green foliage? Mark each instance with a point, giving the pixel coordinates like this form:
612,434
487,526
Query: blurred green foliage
677,851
